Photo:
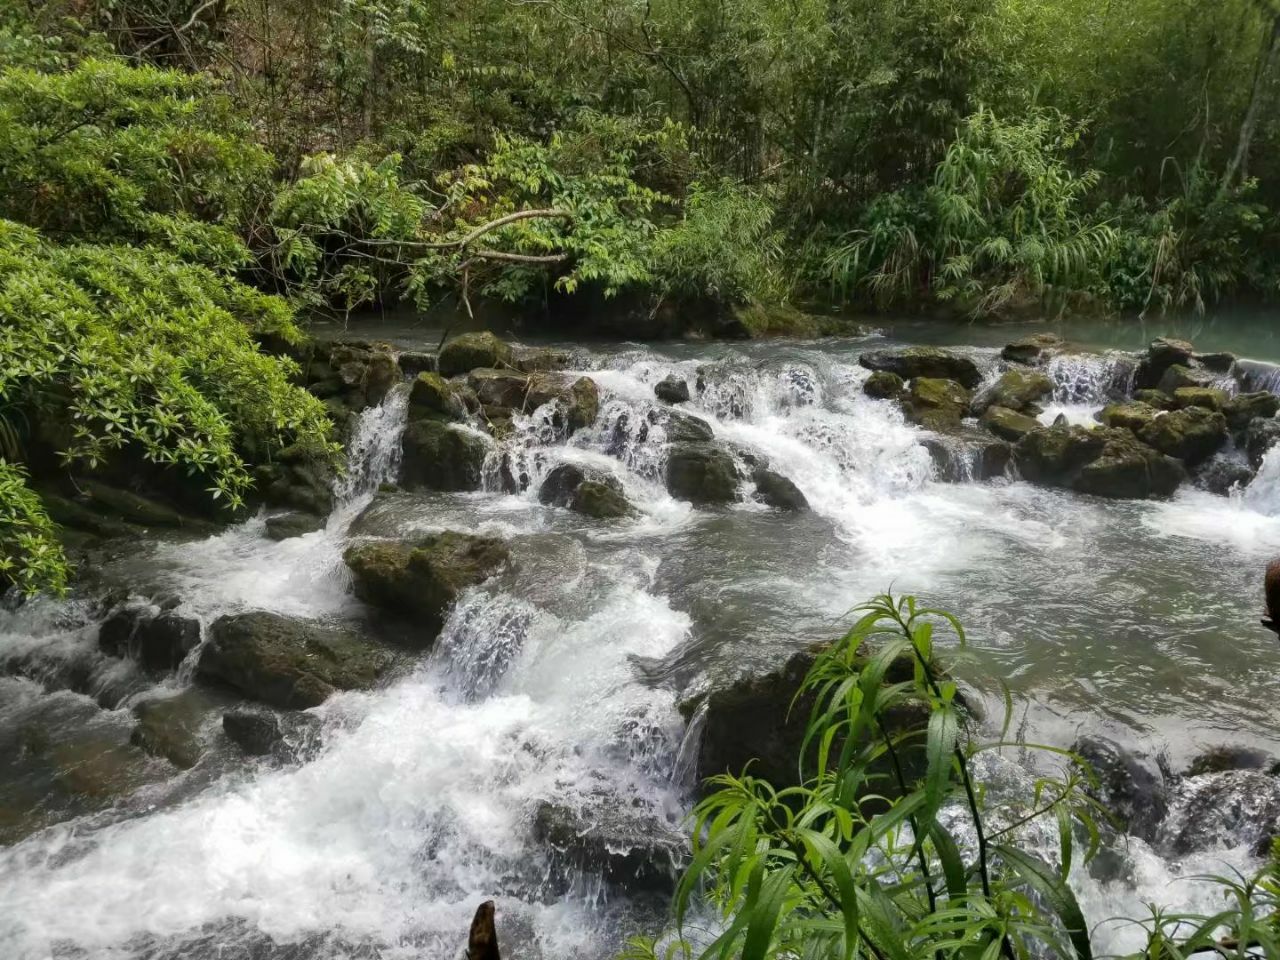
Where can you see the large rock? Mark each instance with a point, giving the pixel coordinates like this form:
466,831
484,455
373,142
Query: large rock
471,350
592,494
1008,424
1244,408
1179,376
499,388
777,491
672,389
422,579
701,473
686,428
288,662
1192,434
931,362
1259,438
1033,349
442,456
1227,809
299,477
1104,462
158,640
1210,398
262,733
172,727
1221,475
352,375
1133,416
936,404
1017,390
433,395
577,400
1162,354
626,841
284,526
1129,784
883,385
968,456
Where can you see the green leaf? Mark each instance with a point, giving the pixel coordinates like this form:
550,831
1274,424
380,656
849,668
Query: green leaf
1057,894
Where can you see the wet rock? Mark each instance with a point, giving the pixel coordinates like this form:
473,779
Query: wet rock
1162,354
499,388
968,456
289,662
1033,349
1178,376
1130,784
261,733
701,473
629,843
299,478
471,350
778,491
284,526
1217,362
1221,476
432,395
414,362
1104,462
672,389
1154,398
593,494
421,579
935,404
577,401
353,375
1259,438
1223,809
1244,408
135,508
171,728
442,456
538,360
73,515
883,385
1228,757
99,769
931,362
1017,390
1192,434
1131,416
1210,398
1008,424
158,640
685,428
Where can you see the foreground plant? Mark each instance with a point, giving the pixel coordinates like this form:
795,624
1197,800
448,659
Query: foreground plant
867,859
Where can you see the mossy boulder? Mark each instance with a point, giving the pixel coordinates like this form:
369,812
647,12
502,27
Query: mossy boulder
883,385
1008,424
442,456
686,428
777,491
422,579
1163,353
1259,438
701,473
288,662
1107,462
968,456
1178,376
159,640
1033,349
1131,416
540,359
172,728
1243,408
1018,390
936,404
932,362
591,493
1192,435
577,400
299,477
1210,398
1154,398
433,395
499,388
472,350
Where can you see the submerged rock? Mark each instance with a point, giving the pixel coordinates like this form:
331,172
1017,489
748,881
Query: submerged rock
701,473
172,727
471,350
1259,438
936,404
159,640
686,428
968,456
442,456
288,662
672,389
577,401
778,491
1017,390
1192,434
1032,349
1130,785
627,842
1105,462
421,579
592,494
1229,757
883,385
285,526
260,733
932,362
1223,809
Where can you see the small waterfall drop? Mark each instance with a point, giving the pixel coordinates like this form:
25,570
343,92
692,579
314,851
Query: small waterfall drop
374,452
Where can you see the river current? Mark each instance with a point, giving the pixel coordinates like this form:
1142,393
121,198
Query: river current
559,681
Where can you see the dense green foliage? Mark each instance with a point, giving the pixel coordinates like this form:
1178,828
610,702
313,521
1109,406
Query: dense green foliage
866,860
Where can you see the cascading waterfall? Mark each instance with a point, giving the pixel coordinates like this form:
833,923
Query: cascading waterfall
537,755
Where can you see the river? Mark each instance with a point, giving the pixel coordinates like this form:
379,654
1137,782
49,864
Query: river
1134,620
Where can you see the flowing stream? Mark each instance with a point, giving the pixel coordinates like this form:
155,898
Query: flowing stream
558,682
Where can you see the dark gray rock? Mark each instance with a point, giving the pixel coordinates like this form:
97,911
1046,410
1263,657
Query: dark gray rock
158,640
672,390
284,526
442,456
883,385
590,493
1033,349
778,491
932,362
701,473
1259,438
263,733
629,843
685,428
471,350
1130,784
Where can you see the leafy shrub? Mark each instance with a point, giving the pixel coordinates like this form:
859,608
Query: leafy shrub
30,555
134,348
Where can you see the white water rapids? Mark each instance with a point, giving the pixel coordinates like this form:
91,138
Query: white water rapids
559,681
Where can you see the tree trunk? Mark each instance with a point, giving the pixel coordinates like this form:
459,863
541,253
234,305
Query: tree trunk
1239,163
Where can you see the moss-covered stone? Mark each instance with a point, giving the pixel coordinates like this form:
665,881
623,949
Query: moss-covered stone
1162,354
432,394
499,388
883,385
1210,398
1154,398
1131,416
701,473
1105,462
285,526
1015,390
1008,424
592,494
1245,407
778,491
471,350
1192,435
578,400
1261,435
933,362
442,456
1178,376
1032,349
421,579
288,662
936,404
